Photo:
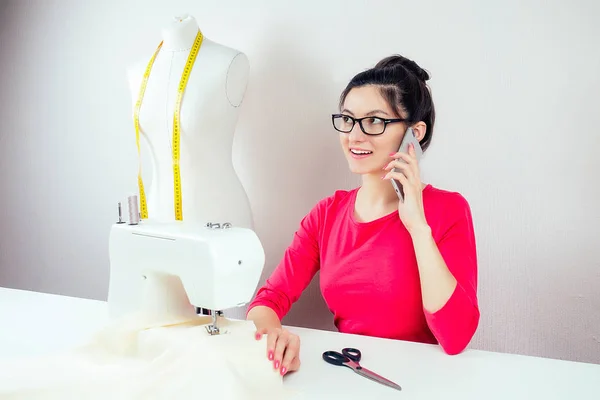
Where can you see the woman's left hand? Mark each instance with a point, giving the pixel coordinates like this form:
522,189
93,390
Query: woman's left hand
407,173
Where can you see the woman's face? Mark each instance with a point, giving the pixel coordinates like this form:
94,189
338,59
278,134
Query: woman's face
369,154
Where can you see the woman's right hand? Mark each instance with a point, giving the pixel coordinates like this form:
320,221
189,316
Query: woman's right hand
283,348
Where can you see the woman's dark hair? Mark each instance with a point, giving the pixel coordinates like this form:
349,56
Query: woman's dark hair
403,84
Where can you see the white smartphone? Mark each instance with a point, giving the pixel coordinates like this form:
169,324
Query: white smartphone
409,137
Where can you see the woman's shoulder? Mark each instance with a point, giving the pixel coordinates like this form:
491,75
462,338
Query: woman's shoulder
328,207
335,201
447,211
445,201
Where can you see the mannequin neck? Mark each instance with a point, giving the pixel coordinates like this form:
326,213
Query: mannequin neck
180,33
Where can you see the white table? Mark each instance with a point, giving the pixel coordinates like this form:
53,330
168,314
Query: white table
37,323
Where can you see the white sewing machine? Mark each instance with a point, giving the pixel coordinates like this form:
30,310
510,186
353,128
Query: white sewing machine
169,269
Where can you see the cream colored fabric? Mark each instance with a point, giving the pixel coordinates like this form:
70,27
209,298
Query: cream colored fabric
135,359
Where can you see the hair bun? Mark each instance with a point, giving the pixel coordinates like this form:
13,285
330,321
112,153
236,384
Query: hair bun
398,60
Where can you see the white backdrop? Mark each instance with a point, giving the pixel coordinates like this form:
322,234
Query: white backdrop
516,88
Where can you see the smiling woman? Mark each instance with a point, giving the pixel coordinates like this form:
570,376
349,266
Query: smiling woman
404,270
368,102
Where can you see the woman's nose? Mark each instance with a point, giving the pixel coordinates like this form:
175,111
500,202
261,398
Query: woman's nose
356,134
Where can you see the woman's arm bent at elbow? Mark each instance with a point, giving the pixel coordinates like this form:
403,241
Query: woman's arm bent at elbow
285,285
448,272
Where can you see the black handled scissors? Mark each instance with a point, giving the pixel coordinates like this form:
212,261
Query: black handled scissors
350,358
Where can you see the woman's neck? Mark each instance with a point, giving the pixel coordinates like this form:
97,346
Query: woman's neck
376,198
180,33
377,193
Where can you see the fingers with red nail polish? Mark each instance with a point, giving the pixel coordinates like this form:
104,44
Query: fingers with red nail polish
283,349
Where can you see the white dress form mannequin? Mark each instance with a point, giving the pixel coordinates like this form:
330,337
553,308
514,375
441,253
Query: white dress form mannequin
211,189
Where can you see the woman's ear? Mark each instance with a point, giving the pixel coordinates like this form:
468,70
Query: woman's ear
419,129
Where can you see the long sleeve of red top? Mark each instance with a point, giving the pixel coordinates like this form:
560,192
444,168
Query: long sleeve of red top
369,275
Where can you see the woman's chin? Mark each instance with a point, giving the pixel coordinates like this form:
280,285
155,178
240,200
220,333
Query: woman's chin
364,169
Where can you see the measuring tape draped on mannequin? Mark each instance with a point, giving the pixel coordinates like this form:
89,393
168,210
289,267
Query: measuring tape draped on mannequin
176,128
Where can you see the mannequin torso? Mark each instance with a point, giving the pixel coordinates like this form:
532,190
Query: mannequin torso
211,190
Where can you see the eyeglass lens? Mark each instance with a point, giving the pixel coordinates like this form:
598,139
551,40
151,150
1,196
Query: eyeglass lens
370,125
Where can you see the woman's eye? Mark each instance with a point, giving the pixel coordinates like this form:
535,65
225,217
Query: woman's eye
375,121
347,120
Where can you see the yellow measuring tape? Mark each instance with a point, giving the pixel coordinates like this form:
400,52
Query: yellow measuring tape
176,128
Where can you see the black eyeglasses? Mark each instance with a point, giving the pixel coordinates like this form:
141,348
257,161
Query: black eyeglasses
369,125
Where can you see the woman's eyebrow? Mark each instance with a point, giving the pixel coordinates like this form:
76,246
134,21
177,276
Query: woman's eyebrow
376,112
370,113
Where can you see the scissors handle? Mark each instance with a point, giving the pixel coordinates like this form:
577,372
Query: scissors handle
352,353
348,354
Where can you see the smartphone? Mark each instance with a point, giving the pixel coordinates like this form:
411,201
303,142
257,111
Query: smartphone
409,137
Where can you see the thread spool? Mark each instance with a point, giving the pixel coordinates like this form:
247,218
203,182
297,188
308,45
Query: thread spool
134,214
120,221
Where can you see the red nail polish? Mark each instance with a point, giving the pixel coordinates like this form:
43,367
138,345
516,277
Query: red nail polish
257,336
270,355
283,371
276,364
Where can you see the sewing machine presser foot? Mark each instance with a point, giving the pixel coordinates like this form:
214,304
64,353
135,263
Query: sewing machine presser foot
213,329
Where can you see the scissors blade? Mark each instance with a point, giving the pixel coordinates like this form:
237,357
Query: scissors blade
367,373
